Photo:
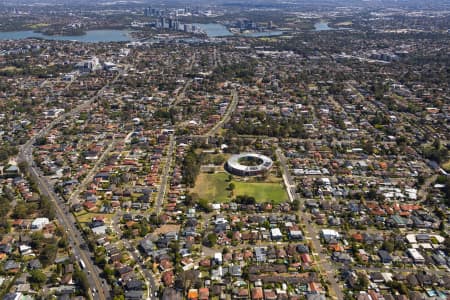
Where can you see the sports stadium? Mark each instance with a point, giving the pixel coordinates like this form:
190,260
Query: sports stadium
248,164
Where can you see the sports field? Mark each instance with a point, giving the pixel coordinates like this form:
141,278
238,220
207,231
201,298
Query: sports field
214,188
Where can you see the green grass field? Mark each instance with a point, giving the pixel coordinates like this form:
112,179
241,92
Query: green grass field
446,166
213,187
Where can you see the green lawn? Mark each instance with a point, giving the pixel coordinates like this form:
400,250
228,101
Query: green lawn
446,166
86,217
213,187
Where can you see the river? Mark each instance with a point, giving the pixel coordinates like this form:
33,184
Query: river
212,30
219,30
91,36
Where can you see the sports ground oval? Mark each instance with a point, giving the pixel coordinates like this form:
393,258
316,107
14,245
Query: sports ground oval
248,164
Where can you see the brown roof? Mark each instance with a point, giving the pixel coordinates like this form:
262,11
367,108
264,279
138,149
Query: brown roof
257,293
203,294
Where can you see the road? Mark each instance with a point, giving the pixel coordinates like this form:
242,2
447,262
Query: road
75,237
422,193
62,214
148,275
310,232
392,269
90,176
181,94
188,83
150,282
68,115
216,58
165,176
227,116
287,178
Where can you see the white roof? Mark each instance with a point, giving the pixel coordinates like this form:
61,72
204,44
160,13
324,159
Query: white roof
296,232
326,180
218,256
415,254
23,248
387,276
411,238
275,232
426,246
266,162
99,229
329,232
40,221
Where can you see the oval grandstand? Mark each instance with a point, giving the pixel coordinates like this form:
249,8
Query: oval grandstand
248,164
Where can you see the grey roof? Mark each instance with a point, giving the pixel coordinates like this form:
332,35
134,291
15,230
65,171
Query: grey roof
11,264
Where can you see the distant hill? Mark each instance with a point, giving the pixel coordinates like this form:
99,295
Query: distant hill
313,4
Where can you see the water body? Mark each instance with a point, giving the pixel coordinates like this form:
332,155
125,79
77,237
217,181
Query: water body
97,36
219,30
91,36
322,26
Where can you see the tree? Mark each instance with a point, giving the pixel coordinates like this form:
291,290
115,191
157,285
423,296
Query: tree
41,141
218,160
437,144
211,240
54,278
204,204
47,208
81,279
362,282
296,204
191,167
38,277
447,244
389,246
231,186
37,239
245,199
63,243
188,200
399,286
48,254
20,211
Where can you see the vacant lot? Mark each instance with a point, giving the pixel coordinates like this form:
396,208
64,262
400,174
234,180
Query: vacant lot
214,187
